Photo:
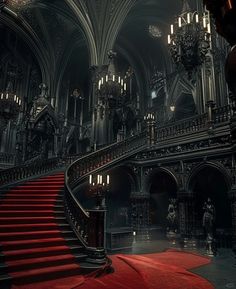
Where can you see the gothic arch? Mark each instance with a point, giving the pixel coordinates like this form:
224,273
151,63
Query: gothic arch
33,42
215,165
147,180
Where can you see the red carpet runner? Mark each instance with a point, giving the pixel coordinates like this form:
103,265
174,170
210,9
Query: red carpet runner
33,232
151,271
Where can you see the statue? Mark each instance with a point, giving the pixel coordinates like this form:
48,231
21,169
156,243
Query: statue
172,216
208,224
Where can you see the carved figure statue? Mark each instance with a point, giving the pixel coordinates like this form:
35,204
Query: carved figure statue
208,217
208,225
172,216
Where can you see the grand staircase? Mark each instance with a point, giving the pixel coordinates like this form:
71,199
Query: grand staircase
36,241
45,233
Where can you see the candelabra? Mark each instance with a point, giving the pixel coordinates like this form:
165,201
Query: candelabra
98,188
189,38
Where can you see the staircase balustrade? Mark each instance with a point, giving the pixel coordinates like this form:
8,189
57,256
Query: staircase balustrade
25,171
89,224
6,158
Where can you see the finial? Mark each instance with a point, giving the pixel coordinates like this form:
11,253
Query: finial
43,87
186,6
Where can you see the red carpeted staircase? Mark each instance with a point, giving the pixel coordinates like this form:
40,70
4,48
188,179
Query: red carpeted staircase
36,242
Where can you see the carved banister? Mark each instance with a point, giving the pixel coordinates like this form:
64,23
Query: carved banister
25,171
87,224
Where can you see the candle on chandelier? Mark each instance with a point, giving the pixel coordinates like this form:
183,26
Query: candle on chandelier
124,86
204,21
108,179
209,28
197,18
106,78
119,79
90,179
19,101
102,80
113,77
188,17
169,40
172,29
179,22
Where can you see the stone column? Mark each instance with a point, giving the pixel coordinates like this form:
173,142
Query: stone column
232,196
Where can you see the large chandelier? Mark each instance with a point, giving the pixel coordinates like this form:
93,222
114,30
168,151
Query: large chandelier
111,85
189,38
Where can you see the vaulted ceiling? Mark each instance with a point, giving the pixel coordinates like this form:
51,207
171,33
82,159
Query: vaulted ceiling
72,35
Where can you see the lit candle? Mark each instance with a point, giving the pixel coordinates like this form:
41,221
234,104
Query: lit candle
188,17
197,18
108,179
169,40
172,29
204,21
90,179
209,28
179,22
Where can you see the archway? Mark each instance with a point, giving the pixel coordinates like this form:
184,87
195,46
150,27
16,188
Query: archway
118,198
163,186
211,182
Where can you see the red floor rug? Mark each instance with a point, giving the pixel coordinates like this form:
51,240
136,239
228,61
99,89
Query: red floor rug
167,270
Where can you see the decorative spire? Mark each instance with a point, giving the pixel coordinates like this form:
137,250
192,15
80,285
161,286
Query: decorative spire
111,66
186,6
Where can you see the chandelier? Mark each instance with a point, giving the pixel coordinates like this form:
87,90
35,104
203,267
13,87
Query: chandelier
10,104
111,85
189,38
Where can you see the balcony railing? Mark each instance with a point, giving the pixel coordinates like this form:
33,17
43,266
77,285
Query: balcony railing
193,124
89,224
186,126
